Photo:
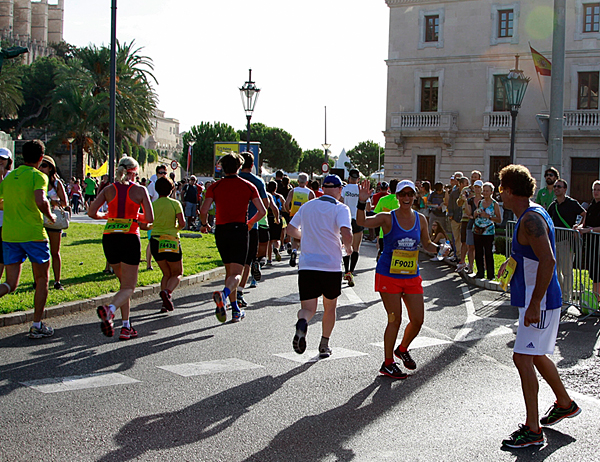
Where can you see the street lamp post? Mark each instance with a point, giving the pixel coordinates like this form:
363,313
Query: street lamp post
191,157
326,145
515,85
70,140
249,94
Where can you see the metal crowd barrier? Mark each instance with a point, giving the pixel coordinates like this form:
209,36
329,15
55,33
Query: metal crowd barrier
577,267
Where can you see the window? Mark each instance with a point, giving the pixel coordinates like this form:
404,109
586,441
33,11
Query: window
432,28
587,90
500,103
497,163
505,23
429,94
591,17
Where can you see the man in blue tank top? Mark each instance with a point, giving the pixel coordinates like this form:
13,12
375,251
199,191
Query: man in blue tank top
536,292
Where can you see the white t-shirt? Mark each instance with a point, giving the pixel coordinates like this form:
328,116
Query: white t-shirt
152,188
320,221
350,196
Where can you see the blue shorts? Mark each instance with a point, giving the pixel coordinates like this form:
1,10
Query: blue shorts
16,252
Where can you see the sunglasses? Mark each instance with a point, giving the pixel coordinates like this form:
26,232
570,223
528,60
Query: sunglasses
407,193
558,186
162,173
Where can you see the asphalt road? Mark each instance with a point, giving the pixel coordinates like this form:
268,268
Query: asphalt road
190,388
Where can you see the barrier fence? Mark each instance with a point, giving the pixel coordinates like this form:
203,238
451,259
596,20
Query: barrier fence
577,267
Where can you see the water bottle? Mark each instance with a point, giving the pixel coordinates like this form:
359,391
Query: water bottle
442,250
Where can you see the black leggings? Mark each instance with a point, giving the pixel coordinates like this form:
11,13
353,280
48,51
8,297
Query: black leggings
483,247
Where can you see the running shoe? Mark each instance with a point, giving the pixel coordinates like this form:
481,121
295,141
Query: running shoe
289,248
350,278
128,333
277,254
460,267
40,332
299,342
220,300
324,352
293,259
58,286
255,270
524,437
269,263
253,283
240,299
555,414
106,317
392,371
408,362
167,301
237,316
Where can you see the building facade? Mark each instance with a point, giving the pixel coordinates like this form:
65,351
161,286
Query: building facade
446,107
32,24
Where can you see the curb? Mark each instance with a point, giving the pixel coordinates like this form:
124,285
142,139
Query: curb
22,317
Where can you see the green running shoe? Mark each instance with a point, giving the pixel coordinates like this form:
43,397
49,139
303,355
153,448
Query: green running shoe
555,414
524,437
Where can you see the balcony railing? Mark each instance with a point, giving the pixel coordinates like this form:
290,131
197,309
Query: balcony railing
427,121
496,121
582,120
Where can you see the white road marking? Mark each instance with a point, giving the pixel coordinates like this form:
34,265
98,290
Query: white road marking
496,303
420,342
476,327
310,356
210,367
352,297
79,382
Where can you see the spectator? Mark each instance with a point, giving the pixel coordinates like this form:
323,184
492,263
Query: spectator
486,214
470,210
564,211
438,235
6,163
90,190
545,196
591,223
435,204
475,175
465,193
57,197
455,213
23,234
190,201
75,195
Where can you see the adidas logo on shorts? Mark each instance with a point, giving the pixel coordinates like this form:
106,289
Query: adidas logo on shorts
531,345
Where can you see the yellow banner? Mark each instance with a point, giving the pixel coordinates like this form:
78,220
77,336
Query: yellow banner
97,172
225,148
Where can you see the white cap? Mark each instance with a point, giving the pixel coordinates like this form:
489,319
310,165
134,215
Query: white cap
4,152
478,183
405,184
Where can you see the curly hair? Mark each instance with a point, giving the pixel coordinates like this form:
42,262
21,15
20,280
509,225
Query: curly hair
518,179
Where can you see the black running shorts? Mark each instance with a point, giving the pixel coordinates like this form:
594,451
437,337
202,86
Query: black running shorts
313,284
355,228
252,246
160,256
122,248
232,242
263,235
274,229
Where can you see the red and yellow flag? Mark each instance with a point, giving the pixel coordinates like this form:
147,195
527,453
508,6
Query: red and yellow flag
542,65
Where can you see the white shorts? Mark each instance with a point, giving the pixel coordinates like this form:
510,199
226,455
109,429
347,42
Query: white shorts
537,339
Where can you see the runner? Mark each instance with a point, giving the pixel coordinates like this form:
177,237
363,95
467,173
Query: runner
275,222
252,261
319,224
164,243
397,273
350,198
231,195
90,190
534,289
23,233
121,240
295,199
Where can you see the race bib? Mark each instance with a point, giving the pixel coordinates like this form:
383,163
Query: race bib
118,225
509,271
404,262
168,243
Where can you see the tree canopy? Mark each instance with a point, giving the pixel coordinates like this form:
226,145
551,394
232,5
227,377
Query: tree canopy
364,157
311,161
205,135
279,149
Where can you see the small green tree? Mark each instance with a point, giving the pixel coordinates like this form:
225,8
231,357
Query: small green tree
311,161
135,151
152,156
279,149
364,157
142,156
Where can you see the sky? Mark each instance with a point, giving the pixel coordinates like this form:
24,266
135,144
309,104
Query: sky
304,55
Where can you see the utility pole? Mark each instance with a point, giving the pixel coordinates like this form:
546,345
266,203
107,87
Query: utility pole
555,129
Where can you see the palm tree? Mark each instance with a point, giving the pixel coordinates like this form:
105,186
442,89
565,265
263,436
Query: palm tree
11,96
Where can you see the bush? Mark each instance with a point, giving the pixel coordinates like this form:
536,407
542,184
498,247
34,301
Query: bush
500,243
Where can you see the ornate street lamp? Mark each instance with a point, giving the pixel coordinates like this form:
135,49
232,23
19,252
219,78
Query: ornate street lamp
515,85
249,94
326,145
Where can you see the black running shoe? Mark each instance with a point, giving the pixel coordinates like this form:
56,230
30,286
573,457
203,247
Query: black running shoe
293,259
408,362
289,248
555,414
324,352
241,302
524,437
255,270
299,342
392,371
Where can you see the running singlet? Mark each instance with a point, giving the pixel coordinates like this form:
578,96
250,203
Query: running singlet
400,257
122,212
231,195
299,197
523,279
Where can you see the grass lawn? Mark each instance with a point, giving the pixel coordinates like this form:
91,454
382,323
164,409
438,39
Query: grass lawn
83,262
498,260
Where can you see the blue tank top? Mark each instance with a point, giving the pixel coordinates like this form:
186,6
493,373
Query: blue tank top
400,257
523,280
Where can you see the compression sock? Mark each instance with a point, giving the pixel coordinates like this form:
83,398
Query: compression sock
234,306
389,361
126,324
353,261
226,292
346,263
402,349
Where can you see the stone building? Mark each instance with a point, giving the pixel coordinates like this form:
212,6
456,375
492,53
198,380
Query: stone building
34,24
166,140
446,107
